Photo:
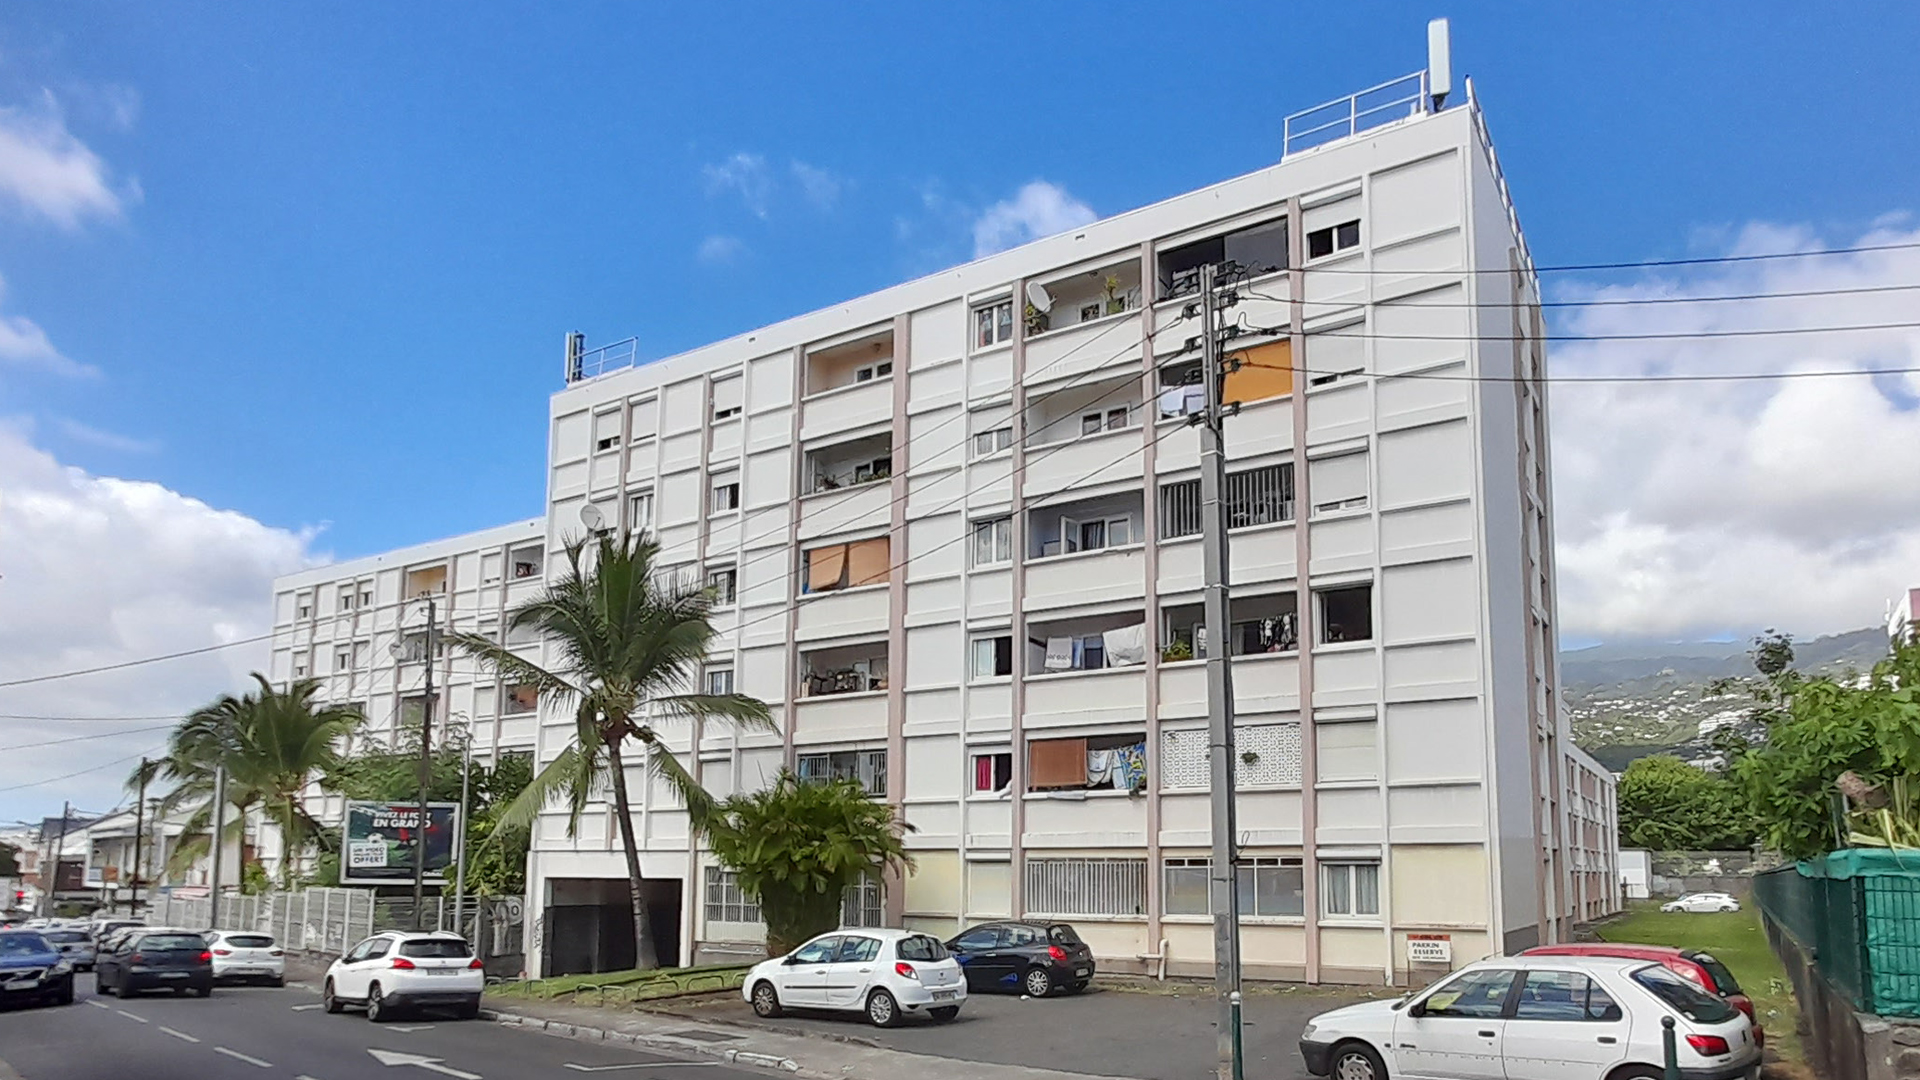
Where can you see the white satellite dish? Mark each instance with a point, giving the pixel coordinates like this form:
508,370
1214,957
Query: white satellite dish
592,517
1039,297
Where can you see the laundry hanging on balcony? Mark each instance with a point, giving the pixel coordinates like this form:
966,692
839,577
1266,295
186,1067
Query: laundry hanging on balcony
1126,645
1059,654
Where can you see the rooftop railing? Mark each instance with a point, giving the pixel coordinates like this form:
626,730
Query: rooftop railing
1345,117
606,358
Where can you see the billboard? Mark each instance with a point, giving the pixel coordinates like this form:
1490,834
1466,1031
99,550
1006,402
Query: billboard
378,838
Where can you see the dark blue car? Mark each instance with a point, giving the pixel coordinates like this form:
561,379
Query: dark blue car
32,970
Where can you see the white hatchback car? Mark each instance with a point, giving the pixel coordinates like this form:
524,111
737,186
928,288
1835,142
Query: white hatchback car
1565,1017
1702,901
246,954
886,974
400,969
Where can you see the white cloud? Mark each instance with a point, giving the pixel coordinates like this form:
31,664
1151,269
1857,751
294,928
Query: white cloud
1036,210
24,344
720,250
1691,509
105,440
49,173
821,187
745,175
97,570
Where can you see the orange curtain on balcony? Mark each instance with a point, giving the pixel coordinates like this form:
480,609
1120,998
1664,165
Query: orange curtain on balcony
1266,371
868,561
1056,763
826,567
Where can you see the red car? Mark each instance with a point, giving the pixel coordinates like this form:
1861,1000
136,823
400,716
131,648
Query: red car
1691,964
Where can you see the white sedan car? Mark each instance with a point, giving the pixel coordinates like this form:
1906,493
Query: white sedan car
399,970
1565,1017
886,974
246,954
1702,901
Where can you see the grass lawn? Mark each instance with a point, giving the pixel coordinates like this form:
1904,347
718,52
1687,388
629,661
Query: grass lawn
660,982
1735,938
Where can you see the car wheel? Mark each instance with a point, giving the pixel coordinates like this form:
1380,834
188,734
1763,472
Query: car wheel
376,1004
203,991
1356,1061
1038,983
945,1014
102,987
766,1001
277,980
327,1000
64,996
882,1010
468,1011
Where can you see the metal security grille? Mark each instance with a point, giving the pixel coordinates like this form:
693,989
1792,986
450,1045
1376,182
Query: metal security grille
864,903
869,767
1086,886
1269,757
725,902
1254,497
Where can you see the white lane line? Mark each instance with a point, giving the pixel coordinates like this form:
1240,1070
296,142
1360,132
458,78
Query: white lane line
642,1065
411,1028
181,1035
238,1056
98,1004
132,1016
303,1076
304,1008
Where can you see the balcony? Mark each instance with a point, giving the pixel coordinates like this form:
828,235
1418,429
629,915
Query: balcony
849,385
1085,551
427,581
1081,435
1092,321
1258,625
845,669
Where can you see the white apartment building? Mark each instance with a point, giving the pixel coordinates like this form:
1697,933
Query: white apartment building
360,628
957,542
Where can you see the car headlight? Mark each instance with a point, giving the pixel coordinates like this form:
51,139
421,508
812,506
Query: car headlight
1307,1032
61,967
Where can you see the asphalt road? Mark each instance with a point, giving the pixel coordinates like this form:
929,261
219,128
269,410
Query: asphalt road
261,1033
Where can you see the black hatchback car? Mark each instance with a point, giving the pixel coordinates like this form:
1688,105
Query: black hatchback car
174,960
1033,958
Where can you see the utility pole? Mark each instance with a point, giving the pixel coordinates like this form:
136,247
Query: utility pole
460,851
1226,830
139,826
52,881
219,840
426,782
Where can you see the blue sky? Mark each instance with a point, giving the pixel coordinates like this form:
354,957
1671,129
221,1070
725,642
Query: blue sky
361,231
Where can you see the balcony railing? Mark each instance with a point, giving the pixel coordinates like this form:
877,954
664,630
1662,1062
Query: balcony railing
1346,117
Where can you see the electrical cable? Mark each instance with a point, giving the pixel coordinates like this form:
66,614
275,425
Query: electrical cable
144,660
85,738
90,719
81,772
1738,376
1689,335
1704,260
1623,301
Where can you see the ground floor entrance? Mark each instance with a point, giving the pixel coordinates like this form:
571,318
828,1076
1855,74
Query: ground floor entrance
587,924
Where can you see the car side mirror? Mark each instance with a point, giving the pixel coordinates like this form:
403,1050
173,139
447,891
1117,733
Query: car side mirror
791,959
1418,1008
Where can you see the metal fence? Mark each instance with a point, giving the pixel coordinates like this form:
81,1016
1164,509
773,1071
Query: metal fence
1863,932
330,920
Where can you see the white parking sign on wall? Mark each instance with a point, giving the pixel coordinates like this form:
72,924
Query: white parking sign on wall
1429,949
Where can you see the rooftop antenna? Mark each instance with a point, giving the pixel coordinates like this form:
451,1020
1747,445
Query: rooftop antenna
576,353
1439,62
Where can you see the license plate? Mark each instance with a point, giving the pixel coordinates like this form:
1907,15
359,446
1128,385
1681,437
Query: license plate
943,995
444,971
1079,971
23,984
173,974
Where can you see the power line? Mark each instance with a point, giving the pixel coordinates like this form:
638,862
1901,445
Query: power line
137,663
85,738
1623,301
79,772
1629,265
89,719
1657,336
1738,376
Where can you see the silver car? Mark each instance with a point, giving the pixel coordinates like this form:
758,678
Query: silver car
75,945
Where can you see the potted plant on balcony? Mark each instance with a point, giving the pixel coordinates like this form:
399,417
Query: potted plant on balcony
1176,652
1036,321
1115,303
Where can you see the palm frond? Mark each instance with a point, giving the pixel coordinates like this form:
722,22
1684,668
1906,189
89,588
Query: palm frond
558,778
701,806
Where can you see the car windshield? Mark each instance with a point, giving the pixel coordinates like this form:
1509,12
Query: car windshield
920,947
247,941
172,942
1686,999
23,945
436,949
1723,980
65,937
1062,934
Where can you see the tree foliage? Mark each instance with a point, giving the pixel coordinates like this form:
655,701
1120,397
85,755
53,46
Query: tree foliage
1669,805
797,845
631,638
1824,728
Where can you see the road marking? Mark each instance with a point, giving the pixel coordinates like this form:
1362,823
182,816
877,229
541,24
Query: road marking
641,1065
132,1016
410,1028
179,1035
98,1004
304,1008
238,1056
395,1057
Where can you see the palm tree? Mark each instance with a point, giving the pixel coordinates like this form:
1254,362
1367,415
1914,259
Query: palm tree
271,743
630,642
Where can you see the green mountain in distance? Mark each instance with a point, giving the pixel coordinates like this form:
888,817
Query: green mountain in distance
1629,700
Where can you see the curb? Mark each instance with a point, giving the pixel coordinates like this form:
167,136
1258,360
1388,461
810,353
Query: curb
564,1030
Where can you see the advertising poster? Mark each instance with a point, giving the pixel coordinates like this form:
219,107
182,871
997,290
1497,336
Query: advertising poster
378,840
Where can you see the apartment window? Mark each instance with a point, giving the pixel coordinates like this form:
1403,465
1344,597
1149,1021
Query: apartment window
639,511
520,699
366,598
992,442
1098,534
1339,482
346,598
846,566
864,904
1268,887
868,767
992,324
992,656
993,541
719,681
726,495
299,665
645,419
1346,614
1259,249
1118,419
992,772
1333,238
607,443
870,372
727,397
303,611
725,902
342,659
721,581
1087,762
1351,889
1086,886
1261,496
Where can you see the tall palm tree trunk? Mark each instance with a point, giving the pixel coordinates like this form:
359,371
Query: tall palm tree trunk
646,957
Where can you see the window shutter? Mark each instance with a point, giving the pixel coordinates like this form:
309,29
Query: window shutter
868,561
1335,481
1056,763
826,567
727,394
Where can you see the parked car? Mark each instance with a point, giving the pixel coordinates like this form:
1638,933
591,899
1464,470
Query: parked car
1569,1017
247,955
106,928
150,959
886,974
75,945
1034,958
32,969
1702,901
1697,967
398,970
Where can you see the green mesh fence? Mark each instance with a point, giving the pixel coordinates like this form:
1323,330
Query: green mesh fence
1858,914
